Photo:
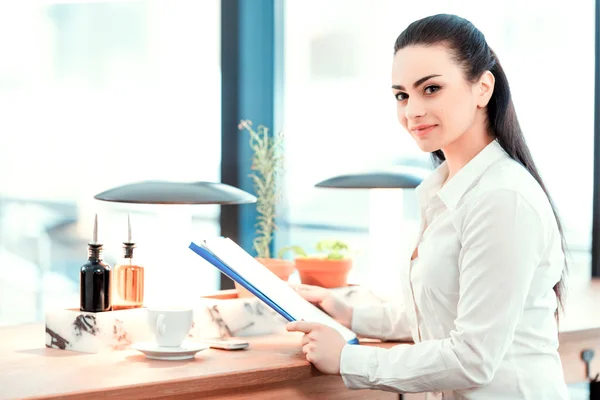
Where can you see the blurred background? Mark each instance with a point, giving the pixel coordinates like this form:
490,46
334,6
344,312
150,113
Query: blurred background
96,94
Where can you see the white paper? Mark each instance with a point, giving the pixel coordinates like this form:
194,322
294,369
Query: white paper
270,285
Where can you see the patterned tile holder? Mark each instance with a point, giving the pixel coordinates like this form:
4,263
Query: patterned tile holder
220,315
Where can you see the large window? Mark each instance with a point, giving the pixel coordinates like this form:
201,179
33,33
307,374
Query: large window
94,95
340,115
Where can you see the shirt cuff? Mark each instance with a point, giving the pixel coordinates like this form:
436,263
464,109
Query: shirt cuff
367,321
358,364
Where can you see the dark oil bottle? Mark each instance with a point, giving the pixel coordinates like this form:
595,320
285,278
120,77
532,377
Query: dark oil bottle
95,279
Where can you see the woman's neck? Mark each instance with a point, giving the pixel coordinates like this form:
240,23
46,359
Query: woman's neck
463,149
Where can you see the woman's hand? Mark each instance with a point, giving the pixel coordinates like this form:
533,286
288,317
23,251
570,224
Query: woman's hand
337,308
321,344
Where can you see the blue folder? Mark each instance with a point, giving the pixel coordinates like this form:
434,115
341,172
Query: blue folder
216,261
224,268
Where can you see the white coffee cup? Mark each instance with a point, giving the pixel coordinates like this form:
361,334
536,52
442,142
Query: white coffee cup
170,326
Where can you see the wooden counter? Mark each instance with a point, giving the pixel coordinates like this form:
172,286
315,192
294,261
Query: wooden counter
580,329
272,368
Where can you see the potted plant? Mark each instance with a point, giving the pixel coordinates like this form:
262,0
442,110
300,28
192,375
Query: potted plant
267,172
328,268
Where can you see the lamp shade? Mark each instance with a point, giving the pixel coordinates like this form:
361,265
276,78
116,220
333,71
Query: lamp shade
168,192
406,178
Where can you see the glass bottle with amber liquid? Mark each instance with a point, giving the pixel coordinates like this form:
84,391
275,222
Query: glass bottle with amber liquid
128,277
95,278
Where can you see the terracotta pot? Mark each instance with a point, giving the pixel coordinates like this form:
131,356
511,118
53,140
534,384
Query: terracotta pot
323,272
282,268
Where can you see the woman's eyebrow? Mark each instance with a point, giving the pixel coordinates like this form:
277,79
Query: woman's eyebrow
418,82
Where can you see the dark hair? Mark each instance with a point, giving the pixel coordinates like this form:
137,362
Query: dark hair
471,51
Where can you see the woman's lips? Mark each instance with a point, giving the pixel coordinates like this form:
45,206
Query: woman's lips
422,130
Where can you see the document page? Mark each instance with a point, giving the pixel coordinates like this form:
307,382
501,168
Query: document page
278,291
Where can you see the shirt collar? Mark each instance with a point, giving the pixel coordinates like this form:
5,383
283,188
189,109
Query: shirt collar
457,186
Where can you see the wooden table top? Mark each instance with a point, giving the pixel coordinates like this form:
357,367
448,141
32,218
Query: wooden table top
30,370
581,318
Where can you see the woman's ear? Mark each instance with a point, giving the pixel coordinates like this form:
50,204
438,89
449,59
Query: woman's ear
485,89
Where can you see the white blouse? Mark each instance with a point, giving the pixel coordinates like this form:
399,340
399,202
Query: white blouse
478,301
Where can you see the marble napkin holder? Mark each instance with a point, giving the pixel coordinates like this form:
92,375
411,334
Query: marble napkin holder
220,315
217,316
87,332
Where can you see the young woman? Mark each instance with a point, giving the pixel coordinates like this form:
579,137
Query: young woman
483,288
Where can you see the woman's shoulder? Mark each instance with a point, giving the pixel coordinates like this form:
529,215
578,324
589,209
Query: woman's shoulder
510,176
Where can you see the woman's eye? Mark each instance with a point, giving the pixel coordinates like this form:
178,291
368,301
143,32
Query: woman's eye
431,89
401,96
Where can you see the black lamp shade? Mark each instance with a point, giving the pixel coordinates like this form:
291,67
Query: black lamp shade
168,192
393,179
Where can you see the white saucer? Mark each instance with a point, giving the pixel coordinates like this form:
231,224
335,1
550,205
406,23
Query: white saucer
186,351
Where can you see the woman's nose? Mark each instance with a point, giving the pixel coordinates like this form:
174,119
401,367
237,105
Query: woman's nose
414,109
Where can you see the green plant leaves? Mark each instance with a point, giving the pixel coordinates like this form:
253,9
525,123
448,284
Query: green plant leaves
299,251
267,164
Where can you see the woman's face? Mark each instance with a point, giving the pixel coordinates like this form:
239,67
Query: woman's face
435,103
